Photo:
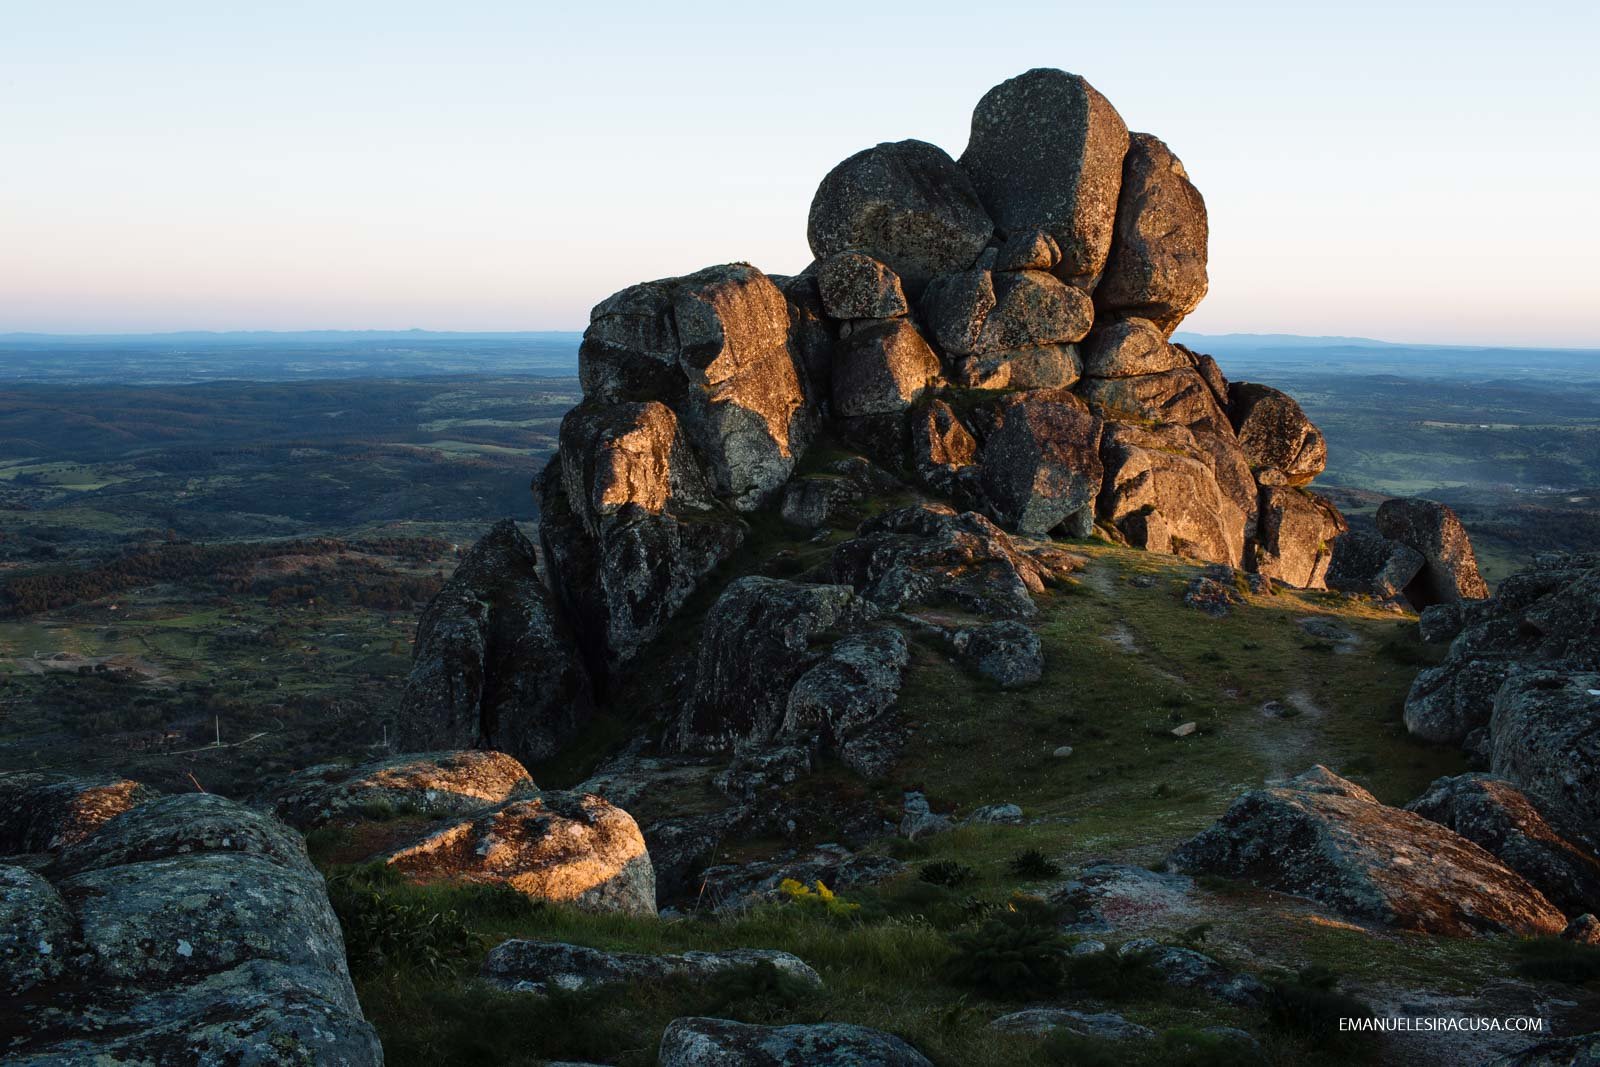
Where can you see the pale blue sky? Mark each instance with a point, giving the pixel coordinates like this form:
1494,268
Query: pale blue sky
1401,170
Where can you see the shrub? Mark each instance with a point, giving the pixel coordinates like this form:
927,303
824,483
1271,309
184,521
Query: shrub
387,926
946,873
1017,951
1113,976
1310,1003
1554,960
1034,864
818,899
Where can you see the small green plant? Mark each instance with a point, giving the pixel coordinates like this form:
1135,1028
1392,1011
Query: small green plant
905,848
946,873
1554,960
1309,1002
1016,952
1033,864
386,926
1113,975
817,898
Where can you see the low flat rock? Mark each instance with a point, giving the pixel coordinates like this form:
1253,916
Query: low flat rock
569,848
537,966
1368,861
430,783
1546,738
1104,1025
701,1042
45,812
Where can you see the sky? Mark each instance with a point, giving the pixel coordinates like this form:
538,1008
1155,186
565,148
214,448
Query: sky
1405,171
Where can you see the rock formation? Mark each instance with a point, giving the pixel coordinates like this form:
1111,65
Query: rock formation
185,929
700,1042
428,783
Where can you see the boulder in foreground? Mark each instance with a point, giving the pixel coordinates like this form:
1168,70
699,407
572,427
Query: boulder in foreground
701,1042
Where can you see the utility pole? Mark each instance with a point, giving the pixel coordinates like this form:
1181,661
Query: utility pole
216,720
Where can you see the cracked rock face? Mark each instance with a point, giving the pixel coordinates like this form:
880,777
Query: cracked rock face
1545,737
187,929
698,1042
44,812
568,847
1157,264
1330,841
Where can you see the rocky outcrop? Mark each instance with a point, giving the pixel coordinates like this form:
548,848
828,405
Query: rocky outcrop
1041,468
1275,434
1368,563
1296,533
844,702
1330,840
538,966
1544,618
1545,736
1451,571
494,664
1127,348
905,204
45,812
736,886
1161,493
1495,814
566,847
1007,329
187,929
1157,264
931,556
699,1042
426,783
1046,153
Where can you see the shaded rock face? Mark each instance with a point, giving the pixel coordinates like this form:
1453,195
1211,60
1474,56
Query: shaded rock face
1157,264
1368,563
1162,494
495,664
941,446
35,931
1297,530
1126,348
734,887
44,812
1046,153
1580,1051
1368,861
1001,330
883,367
1005,652
187,926
844,701
567,847
905,204
1042,464
1545,737
539,966
433,783
856,286
624,455
700,1042
1275,433
1451,571
931,556
1495,814
1545,617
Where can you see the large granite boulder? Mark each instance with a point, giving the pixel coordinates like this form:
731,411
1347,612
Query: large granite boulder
1041,465
1328,839
1157,265
570,848
427,783
856,286
42,811
1180,397
700,1042
757,641
928,555
883,366
1295,536
1545,737
1046,153
1160,491
1448,703
844,701
905,204
1495,814
1275,434
199,932
1127,348
495,664
528,966
1433,529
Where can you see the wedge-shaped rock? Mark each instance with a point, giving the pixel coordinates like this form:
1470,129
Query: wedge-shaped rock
1127,348
905,204
1180,397
495,664
1368,861
1494,813
1296,533
431,783
699,1042
1367,563
1275,433
46,812
1162,494
1042,464
930,555
1433,529
1157,265
757,643
941,446
884,365
1028,250
856,286
1545,733
538,966
1046,153
616,456
571,848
